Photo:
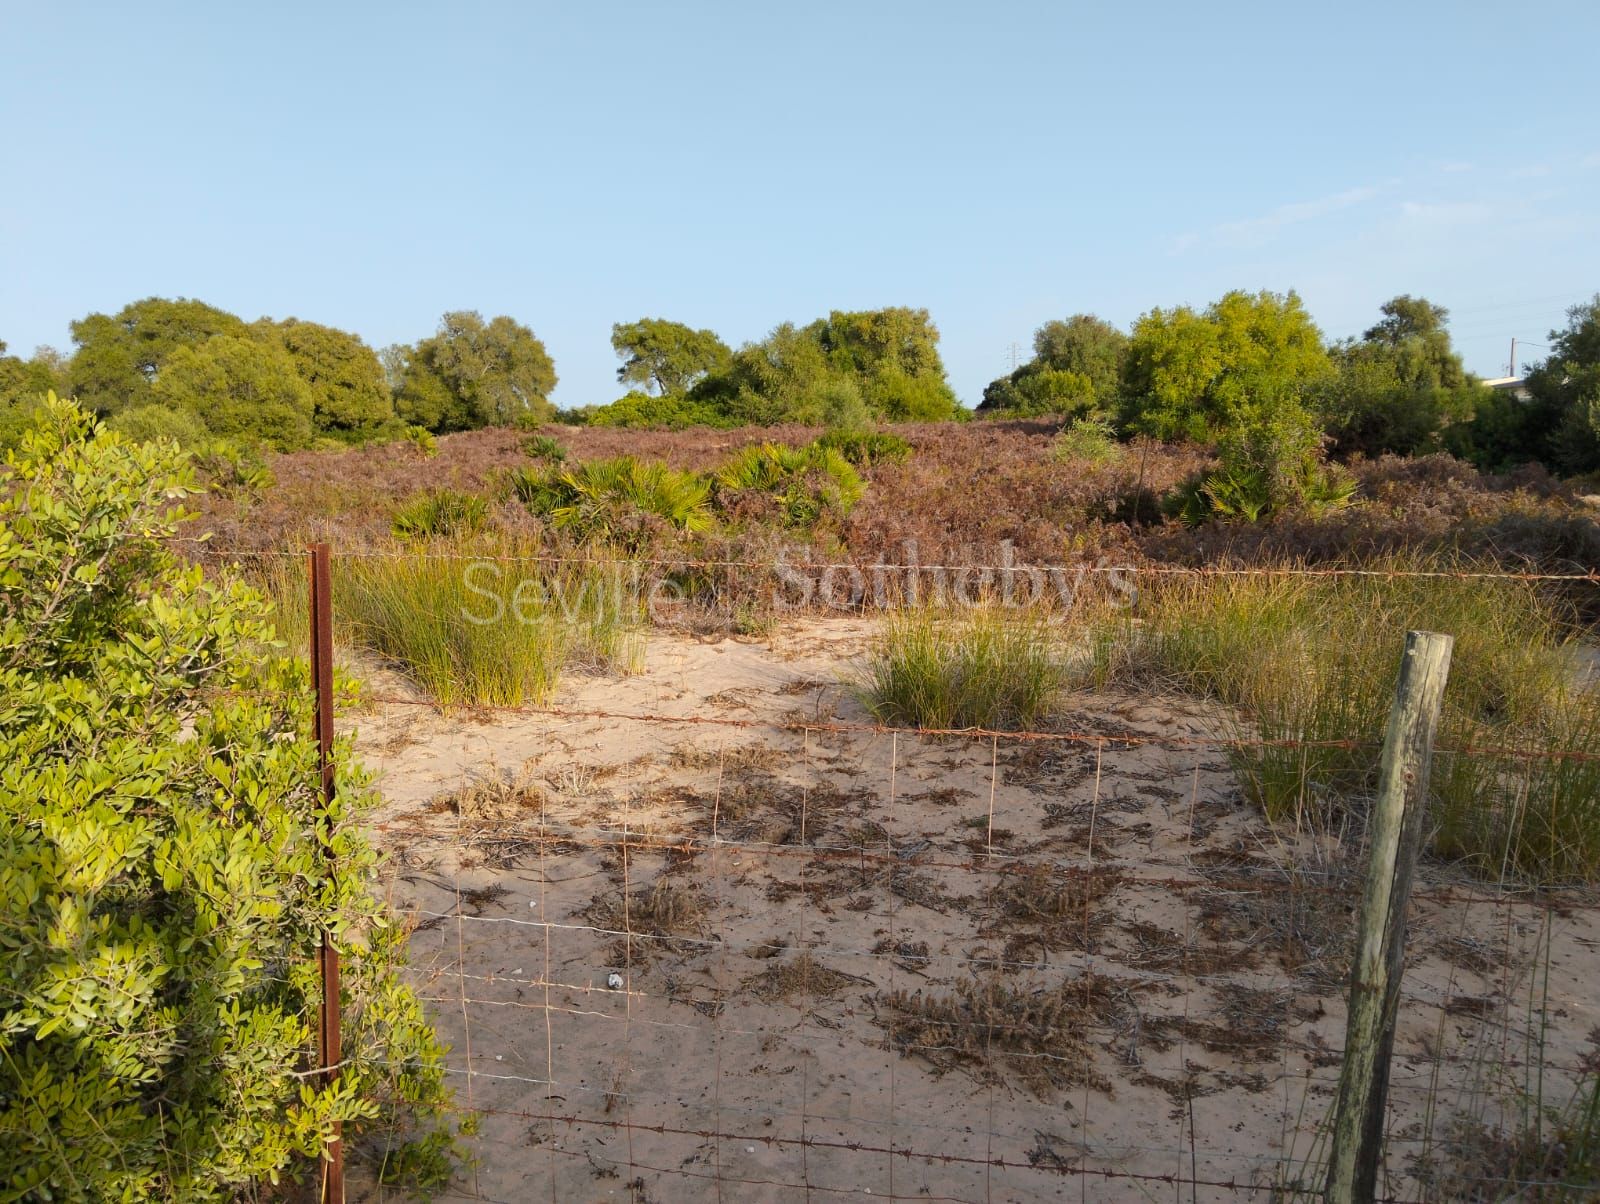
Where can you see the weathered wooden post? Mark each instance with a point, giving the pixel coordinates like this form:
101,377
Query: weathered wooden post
1356,1147
329,1049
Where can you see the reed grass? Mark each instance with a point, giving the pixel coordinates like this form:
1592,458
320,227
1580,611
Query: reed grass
1313,661
468,623
984,668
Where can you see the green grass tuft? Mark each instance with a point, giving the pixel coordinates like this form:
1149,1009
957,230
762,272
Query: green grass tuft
1312,659
981,668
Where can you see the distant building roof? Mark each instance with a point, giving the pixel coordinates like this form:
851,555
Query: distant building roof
1517,386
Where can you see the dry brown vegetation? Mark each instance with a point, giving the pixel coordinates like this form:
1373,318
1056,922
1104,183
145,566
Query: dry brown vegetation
965,488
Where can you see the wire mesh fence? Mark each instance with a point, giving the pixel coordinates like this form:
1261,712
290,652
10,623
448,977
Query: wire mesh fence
712,928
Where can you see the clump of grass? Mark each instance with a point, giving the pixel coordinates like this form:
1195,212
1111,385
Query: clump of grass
982,668
654,915
1313,660
476,632
441,513
992,1021
1087,440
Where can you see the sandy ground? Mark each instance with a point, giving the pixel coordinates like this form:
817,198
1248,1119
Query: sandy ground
1031,970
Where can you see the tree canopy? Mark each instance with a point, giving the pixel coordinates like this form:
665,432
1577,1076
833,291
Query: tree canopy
350,395
473,373
241,388
667,356
1075,370
1195,374
119,356
1399,386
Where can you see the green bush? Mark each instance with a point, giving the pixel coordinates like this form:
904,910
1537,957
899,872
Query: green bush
864,449
809,483
421,438
145,424
1091,440
982,668
643,410
163,868
617,500
1268,463
441,513
1314,659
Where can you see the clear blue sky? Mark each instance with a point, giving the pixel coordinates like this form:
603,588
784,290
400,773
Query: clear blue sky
736,165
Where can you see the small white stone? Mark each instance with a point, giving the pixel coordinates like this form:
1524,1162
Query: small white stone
749,1149
533,903
499,1057
614,981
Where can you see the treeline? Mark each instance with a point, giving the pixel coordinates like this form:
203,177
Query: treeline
1250,369
192,372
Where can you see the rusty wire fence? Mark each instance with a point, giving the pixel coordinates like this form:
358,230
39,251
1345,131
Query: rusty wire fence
744,941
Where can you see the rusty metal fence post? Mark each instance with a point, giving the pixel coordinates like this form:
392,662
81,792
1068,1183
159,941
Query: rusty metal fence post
328,1039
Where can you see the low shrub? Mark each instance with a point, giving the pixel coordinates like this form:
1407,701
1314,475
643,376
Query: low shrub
621,500
864,449
1091,440
1268,465
441,513
544,447
1314,659
983,668
421,438
808,483
674,412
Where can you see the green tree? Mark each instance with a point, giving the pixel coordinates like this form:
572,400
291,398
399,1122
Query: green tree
474,373
1075,370
350,393
1564,413
23,384
1196,375
162,863
845,370
669,356
1087,345
1399,386
241,388
119,356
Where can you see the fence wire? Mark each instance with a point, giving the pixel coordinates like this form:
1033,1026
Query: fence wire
778,957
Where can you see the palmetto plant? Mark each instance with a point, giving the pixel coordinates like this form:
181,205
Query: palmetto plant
612,500
808,481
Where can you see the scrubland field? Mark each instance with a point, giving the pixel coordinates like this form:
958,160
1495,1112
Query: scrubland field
1092,935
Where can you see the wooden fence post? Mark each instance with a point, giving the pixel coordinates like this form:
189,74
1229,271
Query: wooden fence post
329,1049
1356,1147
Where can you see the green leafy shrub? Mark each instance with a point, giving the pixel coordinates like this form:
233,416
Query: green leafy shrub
441,513
981,668
674,412
1091,440
1314,659
864,449
617,500
162,862
145,424
807,482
